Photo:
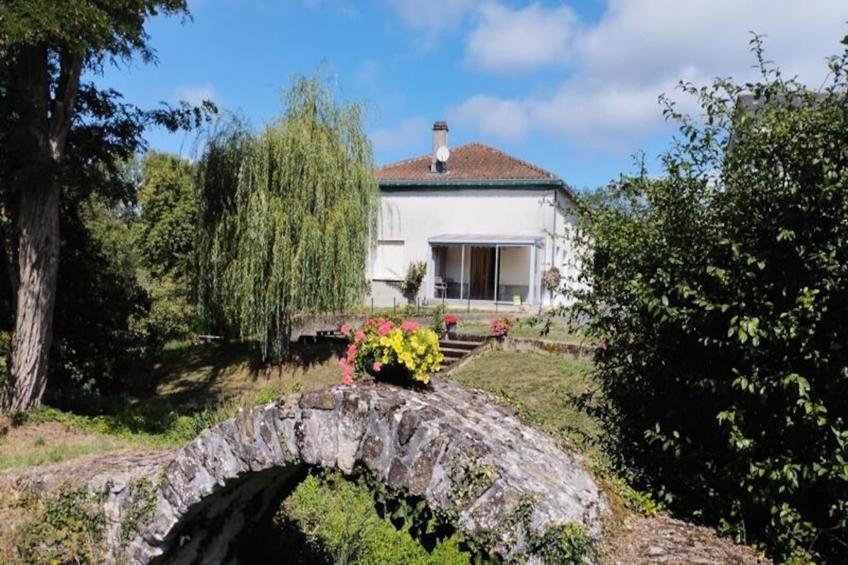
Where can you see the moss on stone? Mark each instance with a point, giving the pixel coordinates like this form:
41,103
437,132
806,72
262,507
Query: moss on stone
470,479
142,504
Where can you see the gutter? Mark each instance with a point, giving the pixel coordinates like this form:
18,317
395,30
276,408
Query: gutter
451,184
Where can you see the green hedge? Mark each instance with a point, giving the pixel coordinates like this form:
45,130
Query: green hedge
719,299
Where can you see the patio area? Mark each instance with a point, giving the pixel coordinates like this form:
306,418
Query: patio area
492,269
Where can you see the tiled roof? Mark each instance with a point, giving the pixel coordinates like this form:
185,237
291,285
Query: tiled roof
471,162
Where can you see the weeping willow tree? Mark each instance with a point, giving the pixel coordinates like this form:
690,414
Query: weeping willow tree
286,217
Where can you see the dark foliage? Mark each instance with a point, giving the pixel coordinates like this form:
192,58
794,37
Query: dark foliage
719,294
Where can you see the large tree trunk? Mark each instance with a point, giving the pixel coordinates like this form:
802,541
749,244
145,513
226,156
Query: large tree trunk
44,123
38,261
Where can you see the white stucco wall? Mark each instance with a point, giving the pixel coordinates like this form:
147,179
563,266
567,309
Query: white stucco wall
410,217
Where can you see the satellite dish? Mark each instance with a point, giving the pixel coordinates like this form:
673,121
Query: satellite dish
442,154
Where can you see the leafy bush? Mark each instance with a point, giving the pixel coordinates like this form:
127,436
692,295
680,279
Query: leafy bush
719,299
414,277
68,530
164,234
101,335
438,325
338,518
503,326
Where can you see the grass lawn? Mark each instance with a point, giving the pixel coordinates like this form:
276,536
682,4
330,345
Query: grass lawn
542,387
559,331
188,375
196,386
51,442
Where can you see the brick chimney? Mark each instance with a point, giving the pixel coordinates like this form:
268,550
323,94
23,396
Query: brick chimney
440,139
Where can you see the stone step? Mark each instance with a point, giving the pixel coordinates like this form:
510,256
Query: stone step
459,344
453,353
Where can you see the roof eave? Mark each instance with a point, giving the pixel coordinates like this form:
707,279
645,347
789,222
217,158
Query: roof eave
448,183
470,183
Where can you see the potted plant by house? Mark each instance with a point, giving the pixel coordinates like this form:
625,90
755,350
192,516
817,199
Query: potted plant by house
501,327
450,324
399,352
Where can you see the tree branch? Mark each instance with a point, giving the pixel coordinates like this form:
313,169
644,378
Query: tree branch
62,106
32,90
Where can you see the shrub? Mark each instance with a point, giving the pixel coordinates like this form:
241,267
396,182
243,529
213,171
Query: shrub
339,520
414,277
438,324
719,301
406,351
68,529
501,327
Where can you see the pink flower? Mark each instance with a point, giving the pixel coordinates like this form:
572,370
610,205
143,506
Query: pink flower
409,326
359,335
347,378
345,329
604,344
385,327
342,362
351,351
377,366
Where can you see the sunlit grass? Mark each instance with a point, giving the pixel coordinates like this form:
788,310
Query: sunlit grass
560,332
543,388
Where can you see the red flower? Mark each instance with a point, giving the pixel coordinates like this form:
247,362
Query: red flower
451,319
409,326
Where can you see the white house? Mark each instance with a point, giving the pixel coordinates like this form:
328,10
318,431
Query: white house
487,224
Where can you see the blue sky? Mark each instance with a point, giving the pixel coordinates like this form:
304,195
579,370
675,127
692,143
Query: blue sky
570,86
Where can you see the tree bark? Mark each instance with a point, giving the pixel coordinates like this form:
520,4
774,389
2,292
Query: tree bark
10,244
45,124
38,264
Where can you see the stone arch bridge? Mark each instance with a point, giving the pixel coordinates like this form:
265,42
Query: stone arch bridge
454,447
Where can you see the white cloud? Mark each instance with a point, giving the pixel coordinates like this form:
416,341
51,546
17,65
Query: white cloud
194,94
409,134
502,119
432,16
521,40
641,40
640,49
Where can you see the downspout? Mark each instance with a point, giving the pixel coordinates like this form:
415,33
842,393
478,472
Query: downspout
553,241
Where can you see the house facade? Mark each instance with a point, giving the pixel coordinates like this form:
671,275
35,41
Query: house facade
487,225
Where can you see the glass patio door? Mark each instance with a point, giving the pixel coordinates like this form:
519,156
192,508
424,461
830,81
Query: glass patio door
482,273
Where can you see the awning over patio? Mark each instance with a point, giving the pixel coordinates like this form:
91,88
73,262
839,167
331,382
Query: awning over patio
466,239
